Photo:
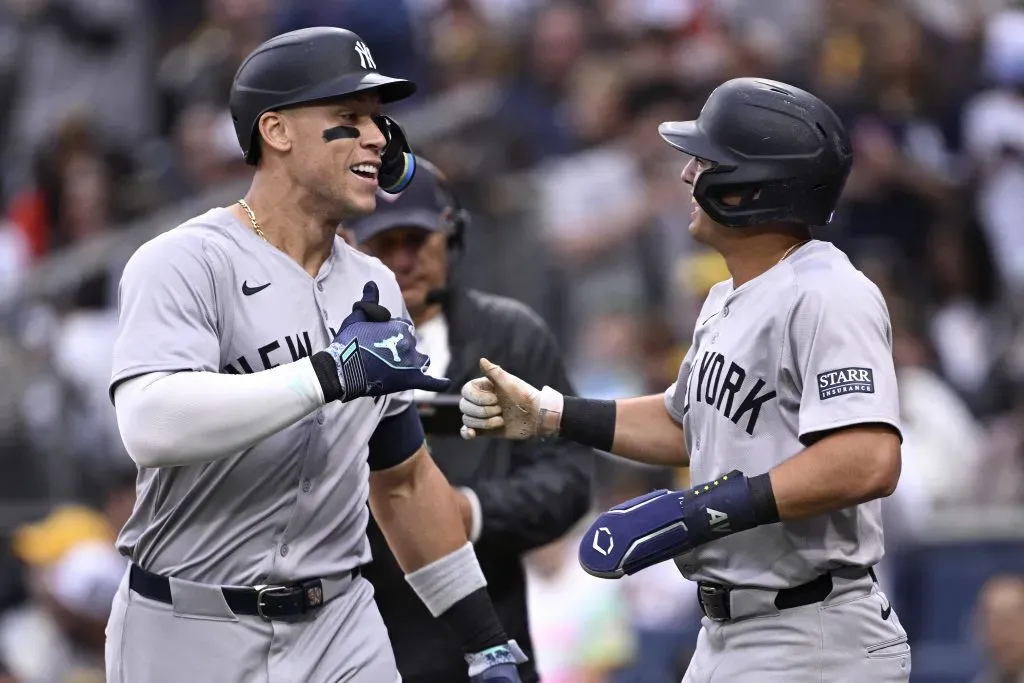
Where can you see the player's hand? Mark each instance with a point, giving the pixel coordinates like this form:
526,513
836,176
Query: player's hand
500,404
497,665
376,354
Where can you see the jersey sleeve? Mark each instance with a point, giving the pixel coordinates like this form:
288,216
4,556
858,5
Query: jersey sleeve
167,317
676,396
840,359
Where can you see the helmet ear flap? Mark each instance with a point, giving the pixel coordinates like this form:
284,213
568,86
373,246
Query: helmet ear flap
397,161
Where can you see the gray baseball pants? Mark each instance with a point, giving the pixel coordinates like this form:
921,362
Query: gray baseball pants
853,636
200,640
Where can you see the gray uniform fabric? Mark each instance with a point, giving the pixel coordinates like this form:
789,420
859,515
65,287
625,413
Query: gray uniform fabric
843,639
803,348
201,641
210,295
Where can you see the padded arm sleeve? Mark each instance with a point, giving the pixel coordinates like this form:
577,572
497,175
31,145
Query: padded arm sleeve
183,418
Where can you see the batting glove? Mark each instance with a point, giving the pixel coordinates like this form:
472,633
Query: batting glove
496,665
501,404
376,354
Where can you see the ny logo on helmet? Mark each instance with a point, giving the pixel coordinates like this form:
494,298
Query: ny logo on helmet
365,58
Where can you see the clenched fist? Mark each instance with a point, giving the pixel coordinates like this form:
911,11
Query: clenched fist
502,405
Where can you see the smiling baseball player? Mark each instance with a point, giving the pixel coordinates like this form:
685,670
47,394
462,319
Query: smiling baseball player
785,409
263,387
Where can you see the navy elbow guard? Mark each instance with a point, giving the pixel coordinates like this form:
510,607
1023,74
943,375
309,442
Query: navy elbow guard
660,525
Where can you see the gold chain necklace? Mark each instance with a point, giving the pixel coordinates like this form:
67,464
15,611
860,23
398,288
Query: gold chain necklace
788,251
256,224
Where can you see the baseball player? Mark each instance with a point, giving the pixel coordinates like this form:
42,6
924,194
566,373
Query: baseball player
785,410
263,387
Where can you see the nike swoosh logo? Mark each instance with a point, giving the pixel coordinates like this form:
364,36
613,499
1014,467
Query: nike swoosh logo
249,291
886,611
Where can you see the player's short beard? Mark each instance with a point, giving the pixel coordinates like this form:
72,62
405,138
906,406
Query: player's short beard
337,203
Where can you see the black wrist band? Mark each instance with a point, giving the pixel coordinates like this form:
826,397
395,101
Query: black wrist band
327,372
475,623
588,421
763,499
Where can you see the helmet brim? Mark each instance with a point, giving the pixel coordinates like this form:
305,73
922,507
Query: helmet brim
687,137
389,89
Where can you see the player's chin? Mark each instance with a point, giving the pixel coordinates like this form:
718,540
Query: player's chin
697,229
360,203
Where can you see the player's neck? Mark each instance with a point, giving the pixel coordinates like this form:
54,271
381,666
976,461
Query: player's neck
748,257
287,223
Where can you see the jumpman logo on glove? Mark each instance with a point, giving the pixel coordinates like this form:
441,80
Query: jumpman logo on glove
391,344
364,373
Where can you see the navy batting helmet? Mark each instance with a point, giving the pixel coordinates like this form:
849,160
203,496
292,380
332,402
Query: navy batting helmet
310,65
780,149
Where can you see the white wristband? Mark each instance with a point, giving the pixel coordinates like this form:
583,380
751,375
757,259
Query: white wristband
549,413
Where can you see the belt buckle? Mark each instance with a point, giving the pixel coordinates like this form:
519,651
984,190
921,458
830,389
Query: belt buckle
268,590
719,597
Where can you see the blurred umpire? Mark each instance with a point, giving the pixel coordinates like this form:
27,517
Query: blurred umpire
514,496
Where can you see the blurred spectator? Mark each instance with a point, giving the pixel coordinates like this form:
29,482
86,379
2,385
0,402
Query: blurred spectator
194,81
1001,478
994,140
72,571
534,102
200,70
598,206
902,127
971,324
1001,626
43,543
205,152
84,190
79,57
81,187
579,623
60,637
942,439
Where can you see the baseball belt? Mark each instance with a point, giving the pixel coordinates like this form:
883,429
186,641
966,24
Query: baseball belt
715,602
267,602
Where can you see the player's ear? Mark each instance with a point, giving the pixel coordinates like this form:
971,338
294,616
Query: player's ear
276,131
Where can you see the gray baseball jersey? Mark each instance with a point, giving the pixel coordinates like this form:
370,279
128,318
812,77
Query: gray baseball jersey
804,348
210,295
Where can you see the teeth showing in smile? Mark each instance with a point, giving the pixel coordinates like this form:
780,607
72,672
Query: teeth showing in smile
365,170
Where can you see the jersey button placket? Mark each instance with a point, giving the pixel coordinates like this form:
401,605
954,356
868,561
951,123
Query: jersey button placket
306,485
284,550
321,306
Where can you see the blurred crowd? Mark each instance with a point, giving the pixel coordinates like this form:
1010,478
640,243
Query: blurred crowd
544,115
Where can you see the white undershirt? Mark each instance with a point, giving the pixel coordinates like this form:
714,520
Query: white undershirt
432,339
